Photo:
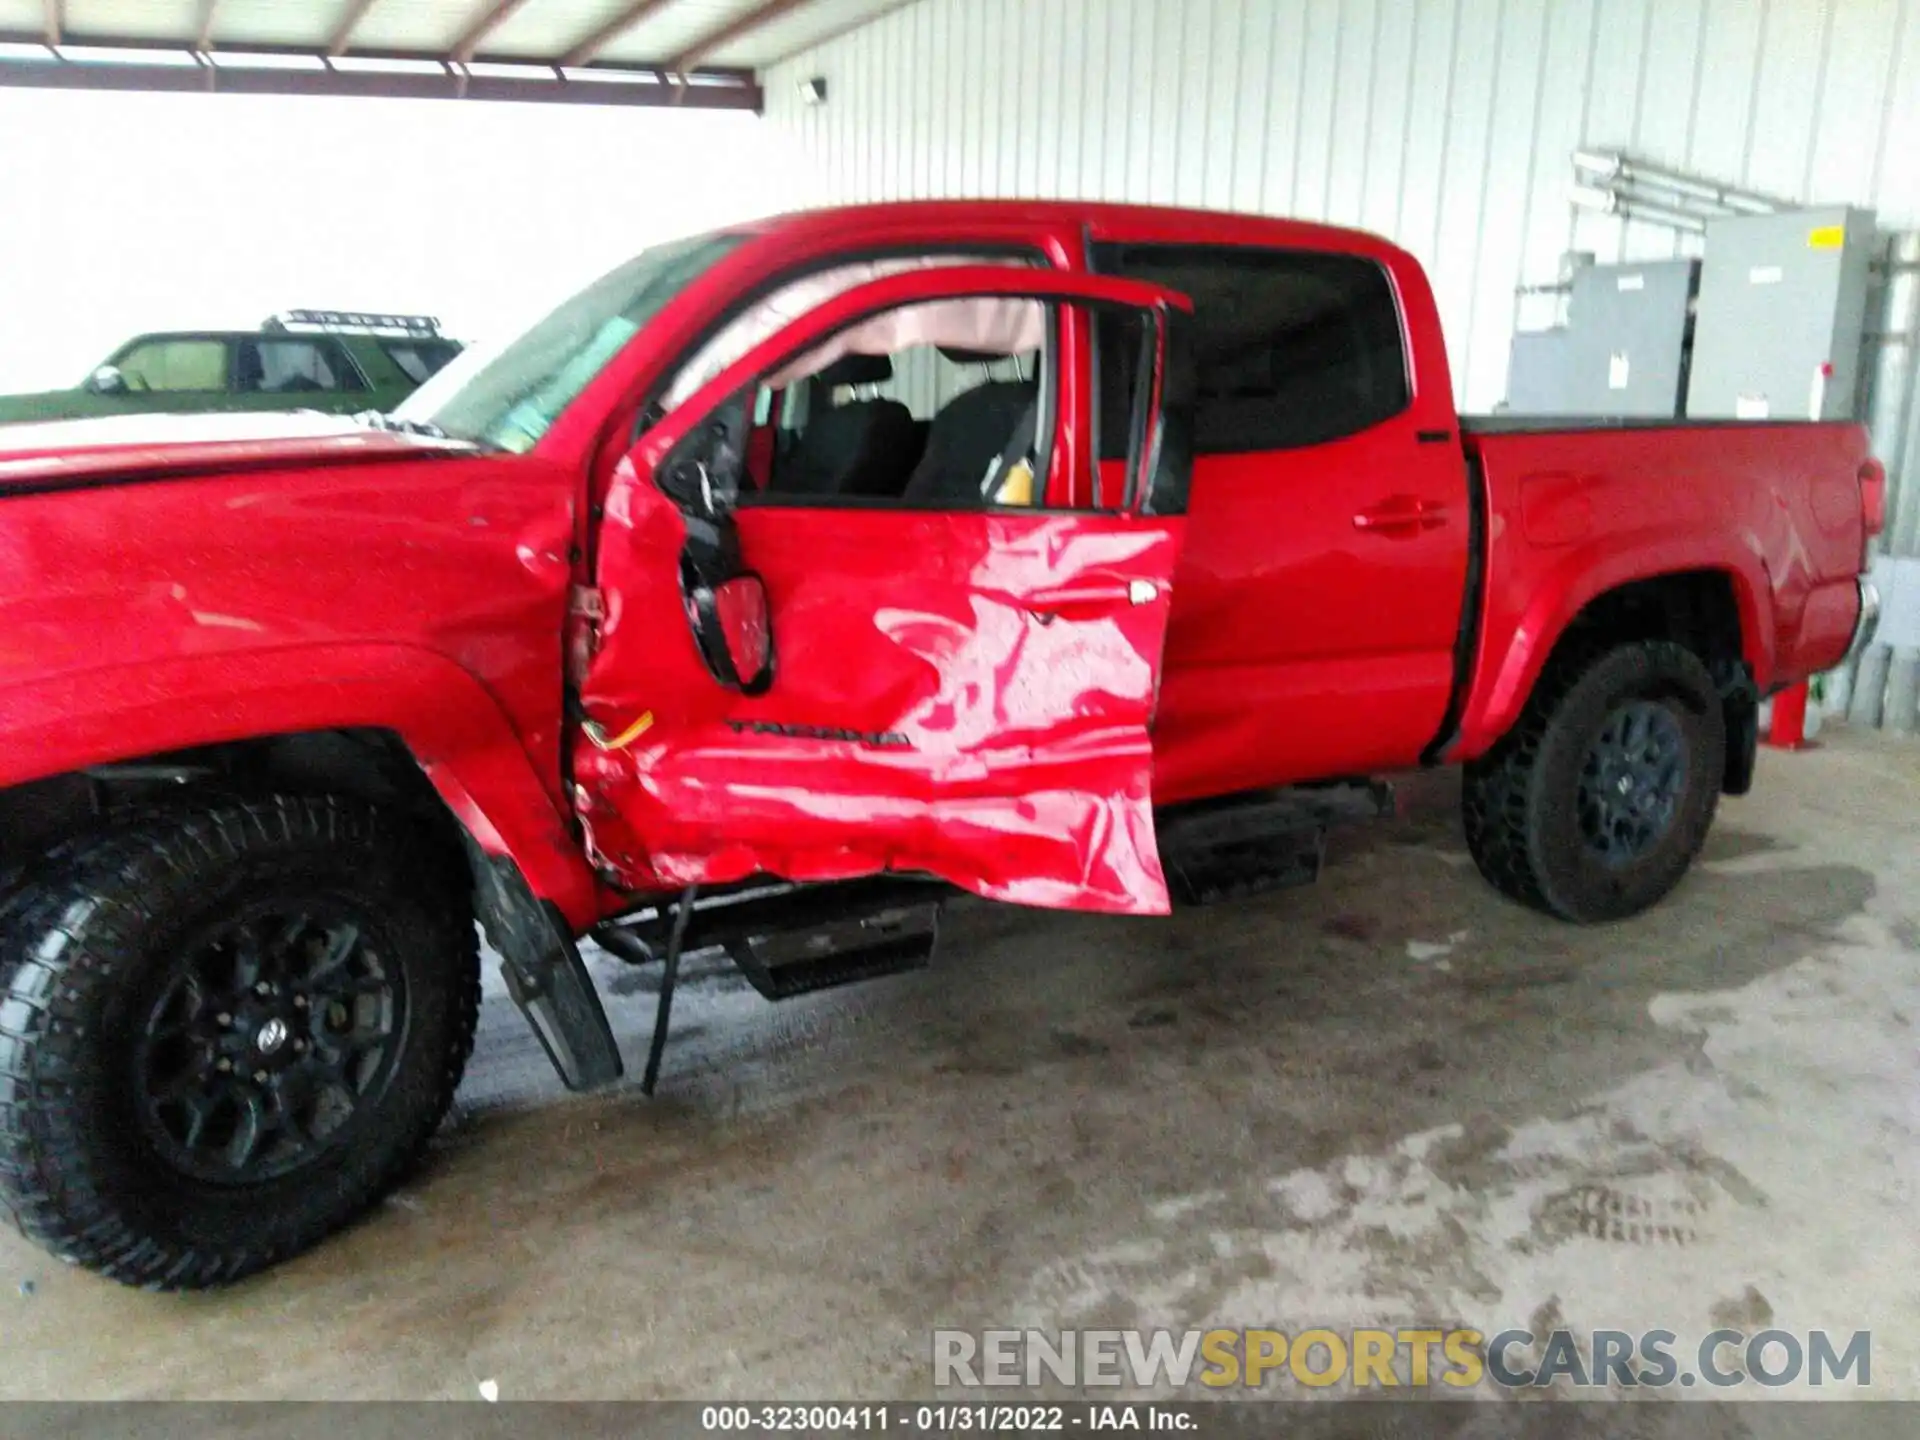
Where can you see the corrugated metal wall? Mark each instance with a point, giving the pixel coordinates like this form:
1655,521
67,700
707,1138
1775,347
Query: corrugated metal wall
1445,124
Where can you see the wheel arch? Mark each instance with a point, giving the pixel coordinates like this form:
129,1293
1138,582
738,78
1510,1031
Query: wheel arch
1716,609
387,723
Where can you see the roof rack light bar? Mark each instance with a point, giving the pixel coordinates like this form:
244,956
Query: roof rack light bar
352,320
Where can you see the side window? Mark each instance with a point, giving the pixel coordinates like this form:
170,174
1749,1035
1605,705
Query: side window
176,365
787,302
291,367
1290,347
419,360
947,404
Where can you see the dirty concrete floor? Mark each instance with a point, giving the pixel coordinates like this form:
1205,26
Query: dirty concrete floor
1389,1099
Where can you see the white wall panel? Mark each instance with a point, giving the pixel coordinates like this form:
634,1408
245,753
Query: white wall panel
1445,124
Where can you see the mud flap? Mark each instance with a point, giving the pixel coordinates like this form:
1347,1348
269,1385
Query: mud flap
1740,702
545,975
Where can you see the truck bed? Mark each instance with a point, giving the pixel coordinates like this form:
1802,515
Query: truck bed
1575,508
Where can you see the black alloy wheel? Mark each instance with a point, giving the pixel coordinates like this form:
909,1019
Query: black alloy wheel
271,1032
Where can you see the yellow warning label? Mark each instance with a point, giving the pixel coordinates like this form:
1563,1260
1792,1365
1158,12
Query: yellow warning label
1826,237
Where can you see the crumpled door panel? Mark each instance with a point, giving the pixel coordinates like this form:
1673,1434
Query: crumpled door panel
965,694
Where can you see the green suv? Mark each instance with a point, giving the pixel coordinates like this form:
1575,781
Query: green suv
341,361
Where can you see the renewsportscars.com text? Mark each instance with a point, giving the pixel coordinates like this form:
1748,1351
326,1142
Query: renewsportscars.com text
1380,1359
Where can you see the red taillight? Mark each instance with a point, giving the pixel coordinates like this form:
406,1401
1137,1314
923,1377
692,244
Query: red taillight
1873,496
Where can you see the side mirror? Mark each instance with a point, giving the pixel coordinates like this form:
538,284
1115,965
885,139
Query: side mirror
732,627
107,380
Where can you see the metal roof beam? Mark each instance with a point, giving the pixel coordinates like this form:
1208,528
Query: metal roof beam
738,28
839,32
719,90
342,39
490,18
591,45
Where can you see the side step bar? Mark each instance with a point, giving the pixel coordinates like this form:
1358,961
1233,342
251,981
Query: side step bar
793,940
1224,849
787,939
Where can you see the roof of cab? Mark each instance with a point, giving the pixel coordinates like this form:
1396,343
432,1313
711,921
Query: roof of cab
1164,223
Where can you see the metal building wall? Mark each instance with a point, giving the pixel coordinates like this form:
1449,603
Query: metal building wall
1445,124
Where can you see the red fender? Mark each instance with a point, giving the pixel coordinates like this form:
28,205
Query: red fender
447,718
1513,650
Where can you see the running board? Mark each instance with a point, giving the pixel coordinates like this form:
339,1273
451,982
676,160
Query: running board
847,952
1249,845
793,940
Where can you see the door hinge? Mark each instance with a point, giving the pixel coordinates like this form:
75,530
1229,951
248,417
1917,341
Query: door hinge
586,613
587,601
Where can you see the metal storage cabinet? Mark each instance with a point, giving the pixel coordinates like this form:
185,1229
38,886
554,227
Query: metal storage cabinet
1783,302
1622,352
1540,372
1629,330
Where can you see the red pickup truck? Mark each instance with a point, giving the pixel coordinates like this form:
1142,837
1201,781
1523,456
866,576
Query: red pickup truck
773,578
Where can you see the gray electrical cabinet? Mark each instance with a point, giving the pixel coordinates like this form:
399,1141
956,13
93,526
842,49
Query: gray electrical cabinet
1622,352
1539,372
1783,303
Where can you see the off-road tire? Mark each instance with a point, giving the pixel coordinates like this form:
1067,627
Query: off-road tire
76,1176
1519,800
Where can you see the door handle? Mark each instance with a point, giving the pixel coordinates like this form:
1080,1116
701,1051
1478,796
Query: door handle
1401,516
1090,602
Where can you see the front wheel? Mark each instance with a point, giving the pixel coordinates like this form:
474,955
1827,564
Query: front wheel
225,1032
1596,804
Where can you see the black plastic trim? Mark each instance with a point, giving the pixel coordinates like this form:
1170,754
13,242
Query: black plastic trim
1467,640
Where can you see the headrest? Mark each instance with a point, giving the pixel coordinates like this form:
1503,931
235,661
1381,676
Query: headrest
856,370
971,357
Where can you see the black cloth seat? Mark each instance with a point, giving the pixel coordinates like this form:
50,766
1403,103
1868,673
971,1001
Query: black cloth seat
863,447
969,435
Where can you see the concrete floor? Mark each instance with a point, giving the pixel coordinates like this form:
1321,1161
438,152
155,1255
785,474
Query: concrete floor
1392,1098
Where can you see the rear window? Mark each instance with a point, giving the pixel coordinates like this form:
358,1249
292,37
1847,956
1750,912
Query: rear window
1291,347
419,360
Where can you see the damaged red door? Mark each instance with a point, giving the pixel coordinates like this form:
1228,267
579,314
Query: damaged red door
959,684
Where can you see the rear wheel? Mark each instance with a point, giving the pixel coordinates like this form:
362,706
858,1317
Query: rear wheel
1599,800
224,1033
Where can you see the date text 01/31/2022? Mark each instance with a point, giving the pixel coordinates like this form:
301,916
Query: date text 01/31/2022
942,1419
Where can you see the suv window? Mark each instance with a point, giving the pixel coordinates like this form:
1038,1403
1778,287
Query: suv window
419,360
285,367
1290,347
175,365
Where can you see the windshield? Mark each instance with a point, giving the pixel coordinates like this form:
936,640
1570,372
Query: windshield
508,396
